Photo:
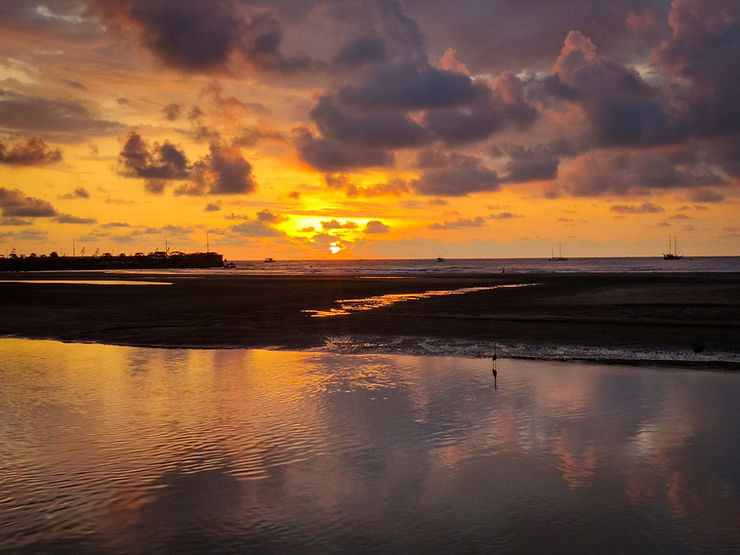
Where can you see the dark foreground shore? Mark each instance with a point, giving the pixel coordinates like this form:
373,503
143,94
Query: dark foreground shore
683,313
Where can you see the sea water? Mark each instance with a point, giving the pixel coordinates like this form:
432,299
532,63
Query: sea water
121,449
480,266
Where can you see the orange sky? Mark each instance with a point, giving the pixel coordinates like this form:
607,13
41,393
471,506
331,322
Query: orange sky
410,130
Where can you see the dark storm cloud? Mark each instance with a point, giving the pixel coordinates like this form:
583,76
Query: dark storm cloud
162,161
531,163
621,107
59,120
360,51
634,171
502,105
410,86
32,151
705,49
497,36
223,172
461,175
377,130
14,204
203,37
330,156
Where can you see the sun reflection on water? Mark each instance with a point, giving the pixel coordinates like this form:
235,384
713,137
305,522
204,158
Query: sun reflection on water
347,306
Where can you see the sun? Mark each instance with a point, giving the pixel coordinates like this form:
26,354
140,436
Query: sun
334,248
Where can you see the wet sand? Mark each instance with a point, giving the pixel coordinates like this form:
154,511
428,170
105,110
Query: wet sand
679,312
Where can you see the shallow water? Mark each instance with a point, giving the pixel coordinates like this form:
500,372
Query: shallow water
107,448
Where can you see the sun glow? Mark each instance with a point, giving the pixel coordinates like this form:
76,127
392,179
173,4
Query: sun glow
334,248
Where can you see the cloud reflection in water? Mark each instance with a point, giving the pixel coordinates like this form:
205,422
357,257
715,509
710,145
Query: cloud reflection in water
115,448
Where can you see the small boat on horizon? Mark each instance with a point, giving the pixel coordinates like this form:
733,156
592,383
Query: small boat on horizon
269,259
560,253
672,254
440,259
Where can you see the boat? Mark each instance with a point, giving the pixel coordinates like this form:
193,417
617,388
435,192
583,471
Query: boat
560,254
672,254
440,259
269,259
229,266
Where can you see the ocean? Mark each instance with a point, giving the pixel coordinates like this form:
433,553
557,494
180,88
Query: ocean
487,266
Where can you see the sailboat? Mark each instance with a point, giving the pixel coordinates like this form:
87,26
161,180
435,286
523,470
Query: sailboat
672,254
560,253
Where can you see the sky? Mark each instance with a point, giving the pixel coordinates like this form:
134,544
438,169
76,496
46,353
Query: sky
300,129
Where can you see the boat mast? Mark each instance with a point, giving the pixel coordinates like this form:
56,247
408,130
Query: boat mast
208,247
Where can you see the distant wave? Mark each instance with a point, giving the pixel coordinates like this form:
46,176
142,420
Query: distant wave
429,346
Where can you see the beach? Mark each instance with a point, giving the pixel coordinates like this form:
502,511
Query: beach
689,314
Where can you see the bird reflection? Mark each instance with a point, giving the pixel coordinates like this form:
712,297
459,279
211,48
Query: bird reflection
493,370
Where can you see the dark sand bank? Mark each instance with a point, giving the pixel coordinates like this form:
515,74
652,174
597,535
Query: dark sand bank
676,312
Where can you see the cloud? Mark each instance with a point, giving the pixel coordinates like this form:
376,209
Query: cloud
331,156
335,224
223,172
269,217
60,120
377,130
69,219
393,187
706,195
29,152
360,51
504,216
410,86
15,221
531,163
115,224
644,208
624,172
639,22
79,192
461,174
163,161
172,111
194,37
376,227
704,50
255,228
621,108
13,203
461,222
492,109
212,207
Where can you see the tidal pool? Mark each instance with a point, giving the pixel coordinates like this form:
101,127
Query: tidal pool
118,449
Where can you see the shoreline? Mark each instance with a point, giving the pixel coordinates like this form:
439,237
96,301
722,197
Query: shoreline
692,316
